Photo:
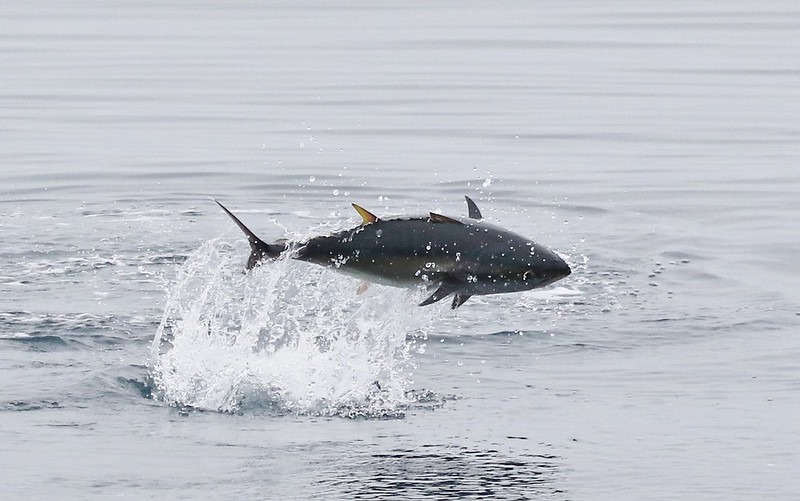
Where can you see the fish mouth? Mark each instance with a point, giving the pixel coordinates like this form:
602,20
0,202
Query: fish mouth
553,267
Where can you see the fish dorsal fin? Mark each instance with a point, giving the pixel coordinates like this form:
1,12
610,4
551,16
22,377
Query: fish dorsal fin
438,218
474,211
366,215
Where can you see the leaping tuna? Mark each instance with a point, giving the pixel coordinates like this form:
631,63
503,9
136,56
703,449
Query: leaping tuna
463,257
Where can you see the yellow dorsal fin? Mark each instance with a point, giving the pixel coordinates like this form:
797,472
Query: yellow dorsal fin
366,215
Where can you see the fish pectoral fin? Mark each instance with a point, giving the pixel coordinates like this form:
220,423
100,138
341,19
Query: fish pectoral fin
366,215
447,287
474,211
459,299
362,287
438,218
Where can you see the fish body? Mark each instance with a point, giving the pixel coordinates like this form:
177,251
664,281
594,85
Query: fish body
462,256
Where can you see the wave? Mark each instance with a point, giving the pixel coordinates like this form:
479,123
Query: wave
286,337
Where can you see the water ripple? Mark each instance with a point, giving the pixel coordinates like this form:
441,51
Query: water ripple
436,471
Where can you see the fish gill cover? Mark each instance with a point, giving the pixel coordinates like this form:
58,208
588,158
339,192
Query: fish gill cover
286,338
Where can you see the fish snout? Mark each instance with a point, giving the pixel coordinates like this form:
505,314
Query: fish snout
551,270
562,269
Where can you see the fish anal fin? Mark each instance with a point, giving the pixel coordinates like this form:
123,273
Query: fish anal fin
474,211
438,218
447,287
366,215
459,299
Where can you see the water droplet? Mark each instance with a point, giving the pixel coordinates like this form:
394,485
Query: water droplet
312,178
336,193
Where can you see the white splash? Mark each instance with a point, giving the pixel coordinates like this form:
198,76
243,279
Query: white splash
287,336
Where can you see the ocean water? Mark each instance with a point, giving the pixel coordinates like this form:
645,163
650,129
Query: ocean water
656,146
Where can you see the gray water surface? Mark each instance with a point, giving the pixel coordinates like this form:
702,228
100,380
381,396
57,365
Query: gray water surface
655,146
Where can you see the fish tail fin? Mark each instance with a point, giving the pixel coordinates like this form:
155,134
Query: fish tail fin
259,249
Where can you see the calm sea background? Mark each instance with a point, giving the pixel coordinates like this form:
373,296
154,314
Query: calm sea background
654,145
